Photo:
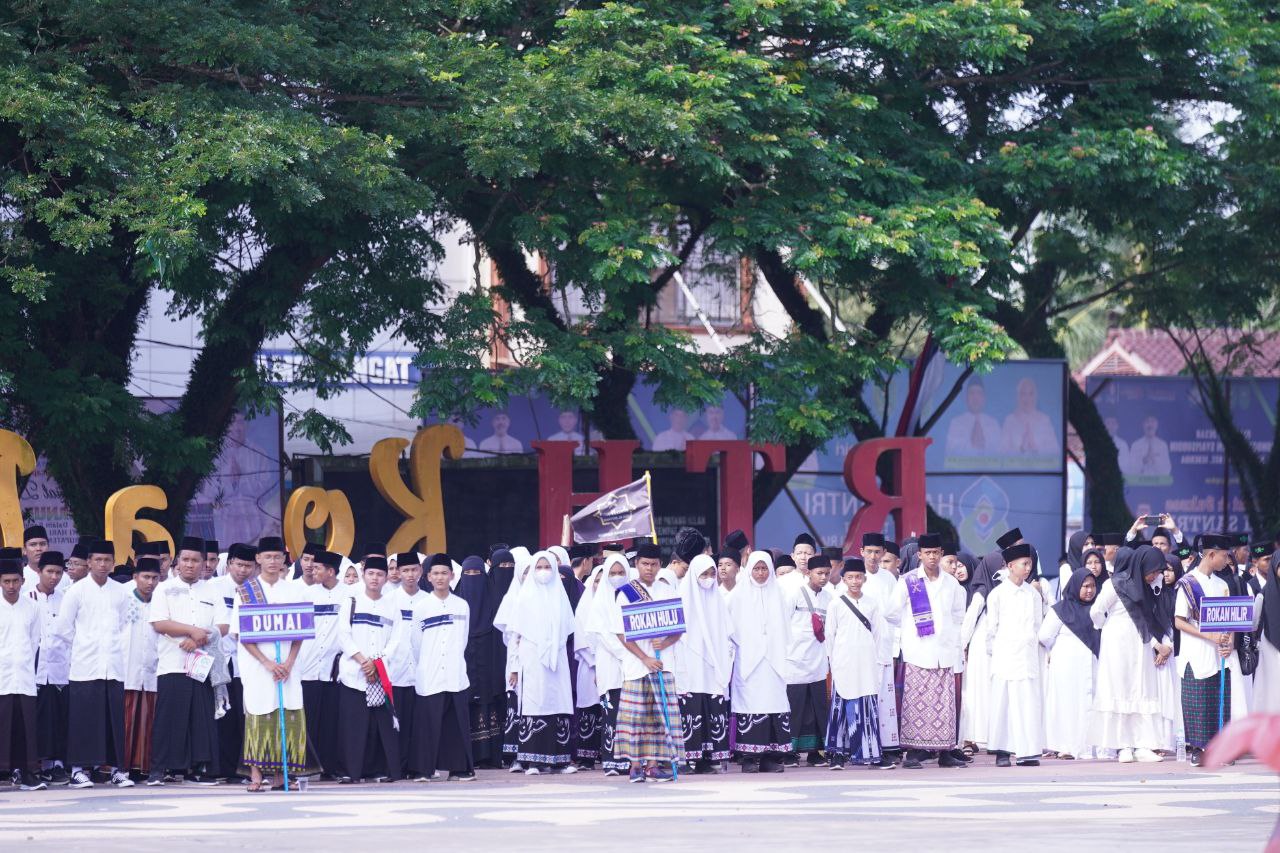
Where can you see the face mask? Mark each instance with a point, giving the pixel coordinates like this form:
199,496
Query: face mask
542,575
617,581
706,583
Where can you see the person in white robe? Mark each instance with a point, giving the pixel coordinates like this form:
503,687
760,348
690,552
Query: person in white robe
975,691
19,648
608,652
876,552
52,669
1014,613
703,664
807,667
1266,680
855,628
1127,712
761,630
587,712
1072,641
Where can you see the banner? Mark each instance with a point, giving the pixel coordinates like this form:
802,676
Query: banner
649,620
624,513
1231,613
284,623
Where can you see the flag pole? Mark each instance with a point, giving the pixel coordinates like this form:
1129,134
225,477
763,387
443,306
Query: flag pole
653,522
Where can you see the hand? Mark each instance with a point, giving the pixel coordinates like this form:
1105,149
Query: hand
370,671
1162,654
199,636
187,644
511,680
653,664
1167,522
664,643
279,672
1138,524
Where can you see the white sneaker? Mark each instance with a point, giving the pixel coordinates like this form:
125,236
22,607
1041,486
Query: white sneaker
121,779
611,772
80,779
567,769
1147,756
1126,756
515,767
533,771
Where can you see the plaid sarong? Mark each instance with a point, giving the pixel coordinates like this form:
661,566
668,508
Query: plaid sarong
1200,707
928,718
642,733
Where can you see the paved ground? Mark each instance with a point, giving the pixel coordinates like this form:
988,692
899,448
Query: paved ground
1078,806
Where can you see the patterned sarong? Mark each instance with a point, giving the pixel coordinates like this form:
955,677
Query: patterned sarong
853,733
262,743
1200,707
928,718
642,733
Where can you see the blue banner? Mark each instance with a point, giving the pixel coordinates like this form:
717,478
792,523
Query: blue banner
1230,613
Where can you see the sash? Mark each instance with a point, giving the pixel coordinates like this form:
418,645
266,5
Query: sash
921,610
856,612
635,592
251,592
1194,593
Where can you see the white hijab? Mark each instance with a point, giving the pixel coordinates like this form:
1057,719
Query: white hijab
506,608
759,615
583,645
541,615
604,605
562,556
708,629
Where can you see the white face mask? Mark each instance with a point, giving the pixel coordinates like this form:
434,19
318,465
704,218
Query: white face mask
542,575
617,581
706,583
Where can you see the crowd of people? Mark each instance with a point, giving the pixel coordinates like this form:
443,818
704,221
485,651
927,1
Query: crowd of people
427,668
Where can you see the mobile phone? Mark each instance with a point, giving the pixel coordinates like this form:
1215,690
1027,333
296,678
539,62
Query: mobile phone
1151,519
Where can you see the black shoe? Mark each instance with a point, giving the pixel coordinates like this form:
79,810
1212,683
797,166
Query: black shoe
468,776
703,767
346,780
912,759
750,766
771,767
155,779
816,759
197,779
1194,756
960,755
886,762
1028,762
57,776
1002,759
792,759
28,781
945,759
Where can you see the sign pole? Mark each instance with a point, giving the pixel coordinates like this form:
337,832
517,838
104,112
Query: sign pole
1222,687
666,719
284,743
653,522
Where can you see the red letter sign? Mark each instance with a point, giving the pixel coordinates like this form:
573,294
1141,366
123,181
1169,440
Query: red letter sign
908,506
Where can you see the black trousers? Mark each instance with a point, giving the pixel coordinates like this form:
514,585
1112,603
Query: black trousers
184,735
96,739
406,700
442,733
53,710
320,702
231,731
18,732
367,732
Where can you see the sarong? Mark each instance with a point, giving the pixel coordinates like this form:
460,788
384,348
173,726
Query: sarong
642,734
608,726
262,743
139,714
96,737
586,737
184,736
545,740
488,721
853,733
888,704
760,733
809,711
705,722
52,710
1200,707
18,733
928,708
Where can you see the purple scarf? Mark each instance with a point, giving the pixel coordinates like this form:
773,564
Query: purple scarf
921,611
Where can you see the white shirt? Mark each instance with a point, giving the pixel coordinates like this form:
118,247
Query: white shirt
141,646
196,604
632,666
438,631
1201,655
366,626
225,588
941,649
1014,614
92,625
806,658
54,665
401,664
855,671
318,655
19,644
261,691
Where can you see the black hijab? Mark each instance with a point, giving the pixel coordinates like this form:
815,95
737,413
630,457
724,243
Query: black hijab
1075,550
501,576
971,566
1138,598
984,576
1074,613
1167,598
1102,557
1271,605
486,653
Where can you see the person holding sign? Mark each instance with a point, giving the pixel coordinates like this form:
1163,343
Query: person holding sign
855,629
368,636
190,618
1204,658
608,654
761,633
265,679
702,663
642,737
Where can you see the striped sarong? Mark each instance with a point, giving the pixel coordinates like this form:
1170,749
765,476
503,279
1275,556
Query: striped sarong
1200,707
928,718
262,743
642,733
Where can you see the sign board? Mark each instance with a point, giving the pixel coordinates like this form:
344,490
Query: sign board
649,620
284,623
1233,613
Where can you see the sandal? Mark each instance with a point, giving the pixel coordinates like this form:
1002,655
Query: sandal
257,787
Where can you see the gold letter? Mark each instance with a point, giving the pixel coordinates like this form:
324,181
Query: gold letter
122,518
308,509
16,456
423,507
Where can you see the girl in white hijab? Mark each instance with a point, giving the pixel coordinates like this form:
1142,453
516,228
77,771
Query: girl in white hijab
761,636
587,709
702,663
540,625
608,651
501,621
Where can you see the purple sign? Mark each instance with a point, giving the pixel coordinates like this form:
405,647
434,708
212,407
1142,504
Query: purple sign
284,623
649,620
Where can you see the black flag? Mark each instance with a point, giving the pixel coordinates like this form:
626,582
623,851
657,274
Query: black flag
624,513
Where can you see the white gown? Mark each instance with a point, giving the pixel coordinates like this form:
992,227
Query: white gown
1127,711
975,690
1069,689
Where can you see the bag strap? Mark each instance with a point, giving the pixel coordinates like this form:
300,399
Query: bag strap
808,602
856,612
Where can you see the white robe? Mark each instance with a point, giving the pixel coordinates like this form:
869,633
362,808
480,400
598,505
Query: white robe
261,691
975,690
1127,711
1016,720
1068,689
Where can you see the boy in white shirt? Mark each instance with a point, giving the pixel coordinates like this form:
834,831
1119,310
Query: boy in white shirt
141,645
401,665
854,630
318,663
19,645
367,634
439,631
52,668
1014,613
